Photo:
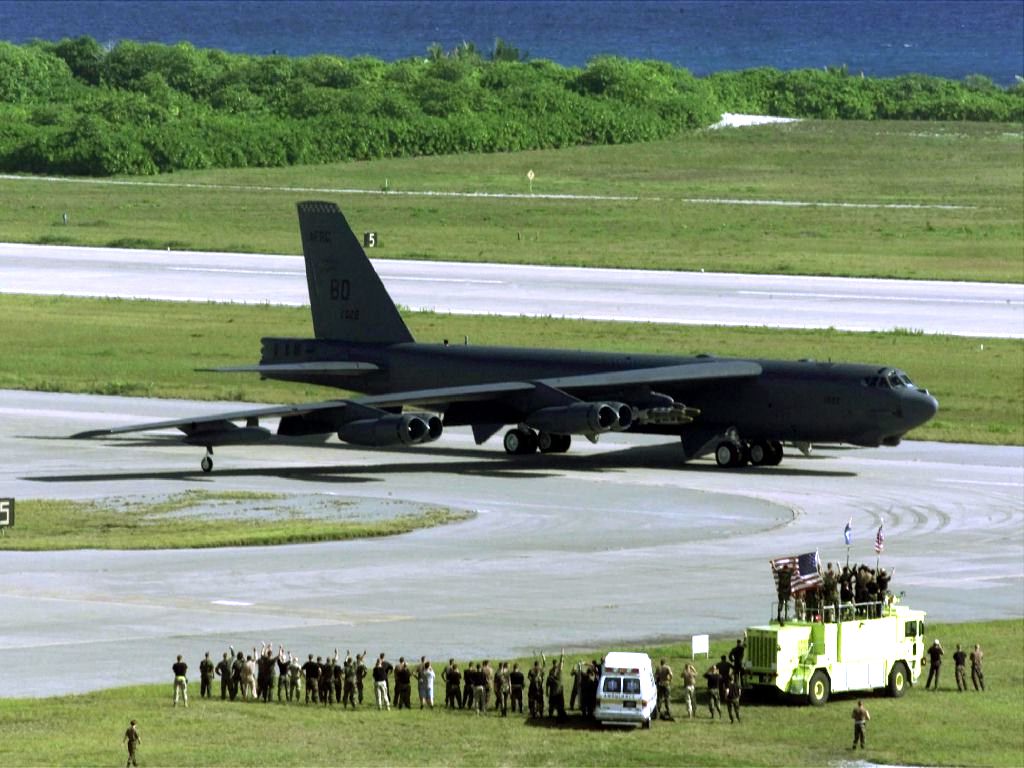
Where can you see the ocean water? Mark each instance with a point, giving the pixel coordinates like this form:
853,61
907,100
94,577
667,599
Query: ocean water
949,38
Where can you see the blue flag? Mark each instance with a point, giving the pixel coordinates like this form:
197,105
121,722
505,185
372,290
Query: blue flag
848,532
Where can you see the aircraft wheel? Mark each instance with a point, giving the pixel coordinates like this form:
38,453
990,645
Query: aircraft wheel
207,463
520,441
728,454
549,443
819,689
759,453
774,453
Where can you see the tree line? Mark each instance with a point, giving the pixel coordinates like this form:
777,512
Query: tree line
77,107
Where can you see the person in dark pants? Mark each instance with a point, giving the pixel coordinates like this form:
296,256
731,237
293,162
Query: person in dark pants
132,739
860,723
732,700
467,690
785,581
935,660
714,696
556,692
205,677
361,672
736,657
311,673
403,684
223,671
517,680
536,691
960,668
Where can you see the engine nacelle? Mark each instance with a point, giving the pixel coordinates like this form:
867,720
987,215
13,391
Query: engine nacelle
393,429
581,418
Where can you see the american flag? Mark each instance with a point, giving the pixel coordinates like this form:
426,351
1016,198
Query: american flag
879,541
805,571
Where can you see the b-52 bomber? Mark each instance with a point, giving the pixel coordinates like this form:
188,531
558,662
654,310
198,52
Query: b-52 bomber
742,411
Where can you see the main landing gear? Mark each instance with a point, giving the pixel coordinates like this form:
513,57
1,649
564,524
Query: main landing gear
522,441
207,462
760,453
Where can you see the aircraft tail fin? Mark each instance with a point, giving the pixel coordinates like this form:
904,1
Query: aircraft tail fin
346,296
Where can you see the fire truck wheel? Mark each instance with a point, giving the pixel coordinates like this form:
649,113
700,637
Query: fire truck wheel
898,679
819,689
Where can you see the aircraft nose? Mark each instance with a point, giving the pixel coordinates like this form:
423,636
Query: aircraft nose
919,408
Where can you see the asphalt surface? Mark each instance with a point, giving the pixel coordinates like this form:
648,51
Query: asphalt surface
963,309
609,543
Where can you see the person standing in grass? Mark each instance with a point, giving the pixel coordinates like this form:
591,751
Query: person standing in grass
690,688
180,669
132,739
714,698
224,672
935,659
663,682
860,722
977,677
206,677
517,681
959,668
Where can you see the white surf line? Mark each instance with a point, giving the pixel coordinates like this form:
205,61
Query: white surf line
494,195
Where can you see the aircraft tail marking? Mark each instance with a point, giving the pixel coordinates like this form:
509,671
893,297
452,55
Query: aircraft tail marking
346,296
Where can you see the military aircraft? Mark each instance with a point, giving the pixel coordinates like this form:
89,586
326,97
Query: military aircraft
740,410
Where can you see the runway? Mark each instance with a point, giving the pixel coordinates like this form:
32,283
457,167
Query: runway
609,543
962,309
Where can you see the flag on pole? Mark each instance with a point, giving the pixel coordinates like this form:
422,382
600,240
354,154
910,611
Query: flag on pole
848,532
805,571
879,541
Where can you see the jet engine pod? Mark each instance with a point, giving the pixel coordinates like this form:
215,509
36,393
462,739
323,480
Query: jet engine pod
393,429
434,428
624,416
577,418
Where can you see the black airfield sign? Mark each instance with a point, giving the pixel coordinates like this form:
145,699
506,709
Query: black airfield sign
6,513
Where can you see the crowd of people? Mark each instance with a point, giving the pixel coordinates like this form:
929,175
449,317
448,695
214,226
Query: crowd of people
265,675
853,591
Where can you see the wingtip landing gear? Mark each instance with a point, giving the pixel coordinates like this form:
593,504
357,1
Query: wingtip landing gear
207,462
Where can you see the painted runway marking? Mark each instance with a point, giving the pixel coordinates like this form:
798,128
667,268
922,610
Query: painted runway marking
870,297
980,482
496,195
232,603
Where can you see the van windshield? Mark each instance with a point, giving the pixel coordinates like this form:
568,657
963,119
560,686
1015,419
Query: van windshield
613,685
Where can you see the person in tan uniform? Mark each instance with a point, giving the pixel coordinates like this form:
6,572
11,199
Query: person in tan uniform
132,739
977,676
663,681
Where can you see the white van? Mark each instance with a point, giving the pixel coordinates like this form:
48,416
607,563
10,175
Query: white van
626,694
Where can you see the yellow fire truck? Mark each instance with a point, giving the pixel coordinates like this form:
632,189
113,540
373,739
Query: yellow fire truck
849,647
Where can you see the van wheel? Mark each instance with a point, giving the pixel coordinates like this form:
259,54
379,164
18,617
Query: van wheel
898,679
819,689
646,724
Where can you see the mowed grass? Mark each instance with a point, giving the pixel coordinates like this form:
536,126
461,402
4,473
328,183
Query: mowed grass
963,183
150,349
176,523
922,728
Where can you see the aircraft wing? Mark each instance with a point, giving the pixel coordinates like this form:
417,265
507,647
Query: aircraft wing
198,423
325,416
704,371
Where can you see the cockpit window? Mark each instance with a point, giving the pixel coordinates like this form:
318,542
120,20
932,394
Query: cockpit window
894,380
906,380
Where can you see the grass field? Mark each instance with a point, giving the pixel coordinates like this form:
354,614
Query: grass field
151,349
199,519
977,168
922,728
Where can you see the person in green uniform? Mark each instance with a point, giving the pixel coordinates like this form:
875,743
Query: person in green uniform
132,739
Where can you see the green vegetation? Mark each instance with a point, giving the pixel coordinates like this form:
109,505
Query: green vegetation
200,519
76,107
922,728
659,224
151,349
